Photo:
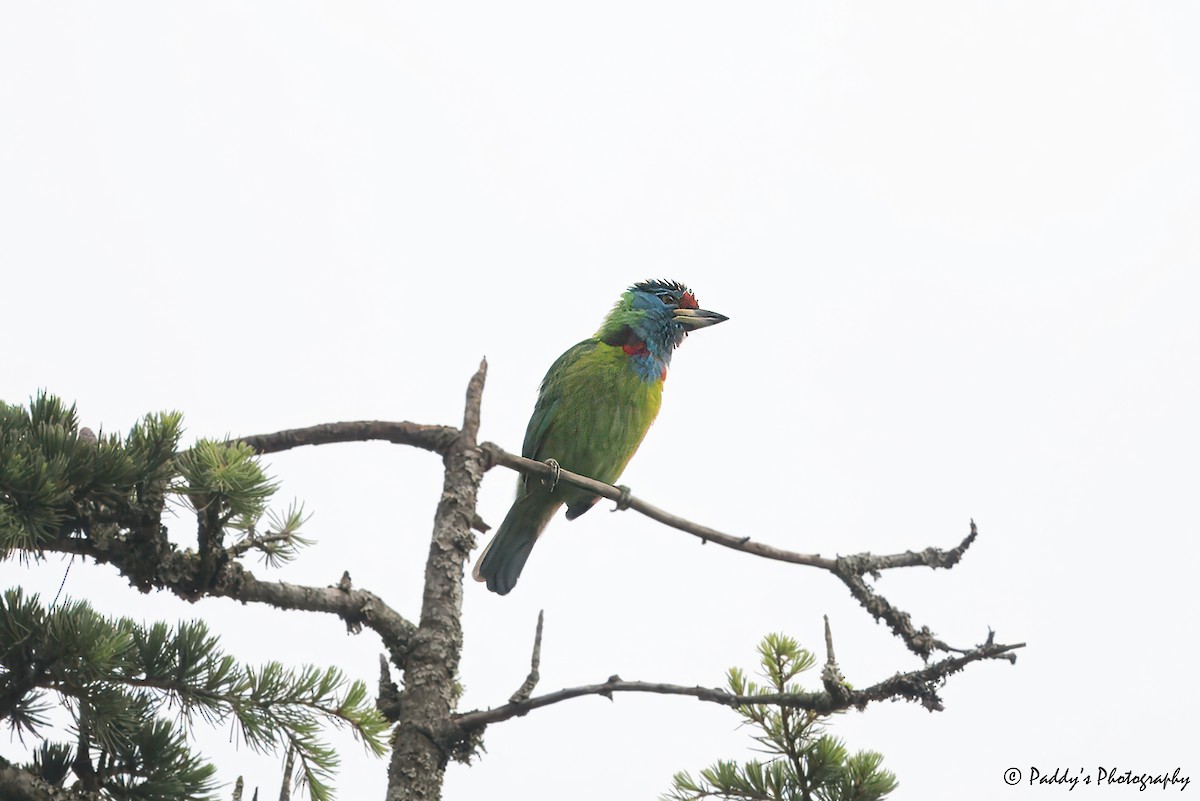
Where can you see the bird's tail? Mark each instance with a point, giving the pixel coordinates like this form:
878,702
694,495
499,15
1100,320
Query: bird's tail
501,562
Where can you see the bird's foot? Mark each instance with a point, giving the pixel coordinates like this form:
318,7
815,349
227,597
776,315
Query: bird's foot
625,500
553,481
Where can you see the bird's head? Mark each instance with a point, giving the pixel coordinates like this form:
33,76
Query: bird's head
652,318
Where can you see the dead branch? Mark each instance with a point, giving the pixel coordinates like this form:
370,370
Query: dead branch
438,439
526,689
919,685
850,570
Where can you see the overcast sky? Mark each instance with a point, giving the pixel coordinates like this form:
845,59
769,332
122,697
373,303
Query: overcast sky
956,242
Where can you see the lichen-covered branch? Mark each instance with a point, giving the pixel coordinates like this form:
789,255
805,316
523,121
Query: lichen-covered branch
431,687
919,685
21,785
177,572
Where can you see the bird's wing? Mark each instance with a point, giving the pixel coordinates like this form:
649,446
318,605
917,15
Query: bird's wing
550,397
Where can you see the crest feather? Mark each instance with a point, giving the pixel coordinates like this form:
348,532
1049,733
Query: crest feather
657,285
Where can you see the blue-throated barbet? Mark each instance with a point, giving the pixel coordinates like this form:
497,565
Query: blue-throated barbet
595,405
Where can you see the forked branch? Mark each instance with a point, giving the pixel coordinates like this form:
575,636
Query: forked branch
851,570
920,686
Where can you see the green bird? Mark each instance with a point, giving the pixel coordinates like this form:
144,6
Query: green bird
595,405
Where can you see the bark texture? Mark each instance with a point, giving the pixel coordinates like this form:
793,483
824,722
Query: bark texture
420,748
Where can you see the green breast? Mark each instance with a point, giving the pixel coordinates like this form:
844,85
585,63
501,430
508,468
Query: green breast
592,413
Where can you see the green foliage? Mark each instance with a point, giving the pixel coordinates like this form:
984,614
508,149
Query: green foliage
805,763
63,488
52,477
51,763
57,482
282,541
226,475
116,676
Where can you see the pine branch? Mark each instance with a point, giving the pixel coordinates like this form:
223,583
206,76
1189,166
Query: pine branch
116,675
805,762
178,569
281,543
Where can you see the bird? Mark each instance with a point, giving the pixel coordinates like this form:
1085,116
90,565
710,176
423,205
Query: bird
593,409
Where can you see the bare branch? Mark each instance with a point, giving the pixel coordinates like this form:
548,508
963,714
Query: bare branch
471,414
850,569
831,675
859,563
441,438
388,699
431,438
934,558
499,456
920,685
920,641
526,689
358,608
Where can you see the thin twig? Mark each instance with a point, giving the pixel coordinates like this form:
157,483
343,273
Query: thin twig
388,699
257,542
499,456
526,689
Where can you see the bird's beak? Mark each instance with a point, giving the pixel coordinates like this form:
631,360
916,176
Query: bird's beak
691,319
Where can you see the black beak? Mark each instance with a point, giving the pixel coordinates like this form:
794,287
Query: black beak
691,319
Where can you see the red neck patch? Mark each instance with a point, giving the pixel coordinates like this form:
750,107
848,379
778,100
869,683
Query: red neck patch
635,347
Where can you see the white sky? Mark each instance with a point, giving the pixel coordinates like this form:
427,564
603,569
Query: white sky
956,242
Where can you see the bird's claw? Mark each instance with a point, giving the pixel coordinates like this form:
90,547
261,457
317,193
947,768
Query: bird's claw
625,500
553,481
